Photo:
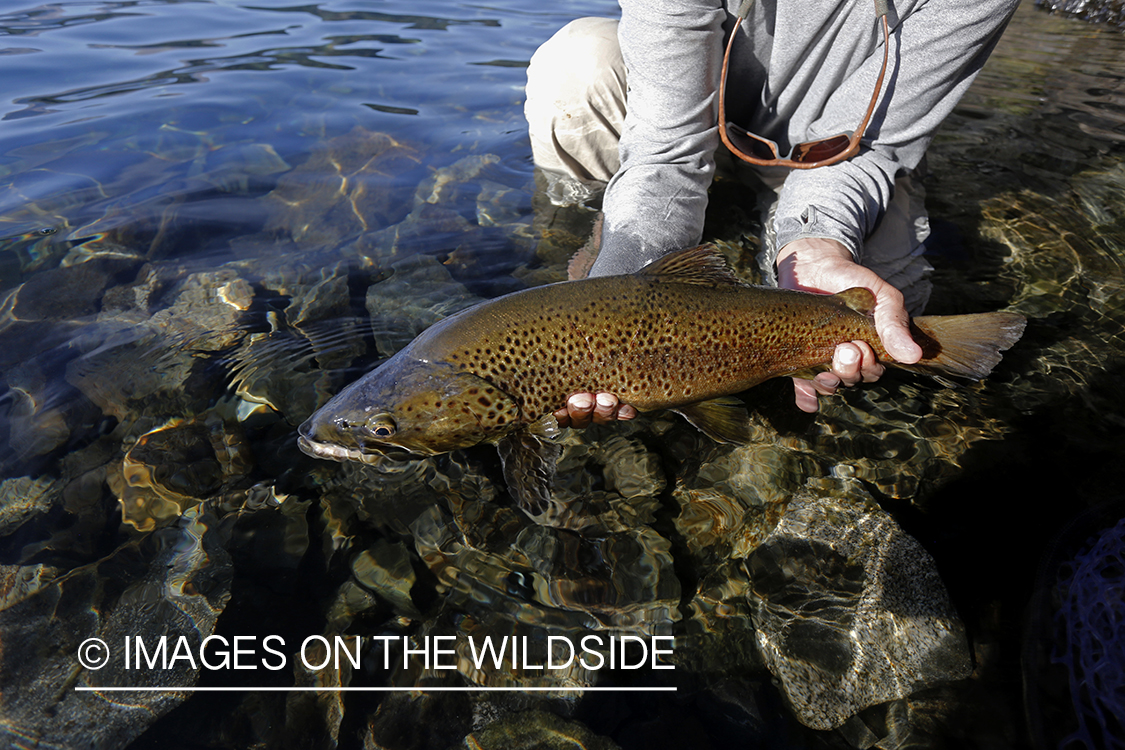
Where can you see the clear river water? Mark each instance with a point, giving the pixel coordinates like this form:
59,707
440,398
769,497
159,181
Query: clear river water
216,213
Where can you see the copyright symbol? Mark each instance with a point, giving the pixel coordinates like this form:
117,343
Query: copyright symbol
93,653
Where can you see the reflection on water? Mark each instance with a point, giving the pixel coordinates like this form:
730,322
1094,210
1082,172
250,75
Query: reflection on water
214,216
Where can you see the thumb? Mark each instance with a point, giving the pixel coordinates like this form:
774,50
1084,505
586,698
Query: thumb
892,323
895,335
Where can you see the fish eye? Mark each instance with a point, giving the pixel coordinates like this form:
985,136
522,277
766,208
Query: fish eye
381,425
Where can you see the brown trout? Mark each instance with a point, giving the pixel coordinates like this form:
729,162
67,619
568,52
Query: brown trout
681,334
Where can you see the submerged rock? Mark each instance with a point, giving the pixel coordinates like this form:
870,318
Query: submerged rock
25,499
418,292
350,185
385,569
1110,12
850,611
406,721
304,330
177,466
169,586
536,730
539,575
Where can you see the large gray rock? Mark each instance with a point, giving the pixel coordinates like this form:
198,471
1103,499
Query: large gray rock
850,611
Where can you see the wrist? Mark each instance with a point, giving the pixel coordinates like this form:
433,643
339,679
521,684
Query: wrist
813,249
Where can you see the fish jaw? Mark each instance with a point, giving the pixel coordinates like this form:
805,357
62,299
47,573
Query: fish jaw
329,451
336,452
408,408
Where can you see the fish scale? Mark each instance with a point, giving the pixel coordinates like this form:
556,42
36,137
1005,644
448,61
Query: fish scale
682,334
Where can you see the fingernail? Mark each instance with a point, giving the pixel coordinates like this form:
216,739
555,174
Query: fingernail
847,355
605,399
581,401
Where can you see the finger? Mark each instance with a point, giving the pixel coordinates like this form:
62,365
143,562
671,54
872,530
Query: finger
826,383
580,407
608,408
806,391
847,362
584,409
870,368
805,395
605,408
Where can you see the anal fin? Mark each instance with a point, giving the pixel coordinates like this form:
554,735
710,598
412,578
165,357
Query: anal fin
722,419
808,373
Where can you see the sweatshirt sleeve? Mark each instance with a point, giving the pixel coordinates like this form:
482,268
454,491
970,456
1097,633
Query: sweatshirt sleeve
657,200
936,52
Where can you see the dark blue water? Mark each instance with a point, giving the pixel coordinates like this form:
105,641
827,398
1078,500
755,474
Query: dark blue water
113,111
213,215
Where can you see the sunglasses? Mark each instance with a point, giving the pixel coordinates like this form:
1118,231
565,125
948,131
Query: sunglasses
819,153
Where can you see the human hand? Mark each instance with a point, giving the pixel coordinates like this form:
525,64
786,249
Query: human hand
584,409
825,266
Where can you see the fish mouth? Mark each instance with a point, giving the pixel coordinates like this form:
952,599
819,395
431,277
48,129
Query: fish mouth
336,452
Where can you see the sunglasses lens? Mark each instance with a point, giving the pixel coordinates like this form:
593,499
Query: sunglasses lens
821,150
750,144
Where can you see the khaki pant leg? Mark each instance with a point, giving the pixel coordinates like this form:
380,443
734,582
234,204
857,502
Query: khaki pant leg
575,108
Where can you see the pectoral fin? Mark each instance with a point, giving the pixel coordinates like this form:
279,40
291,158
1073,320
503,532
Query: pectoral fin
546,427
529,469
721,419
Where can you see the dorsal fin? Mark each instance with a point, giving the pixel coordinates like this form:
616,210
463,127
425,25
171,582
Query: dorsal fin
703,265
858,298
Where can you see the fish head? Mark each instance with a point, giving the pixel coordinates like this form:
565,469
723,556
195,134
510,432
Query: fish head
408,408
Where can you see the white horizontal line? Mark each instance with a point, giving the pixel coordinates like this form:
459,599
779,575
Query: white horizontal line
118,689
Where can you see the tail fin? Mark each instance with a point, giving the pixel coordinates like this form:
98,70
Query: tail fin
964,346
